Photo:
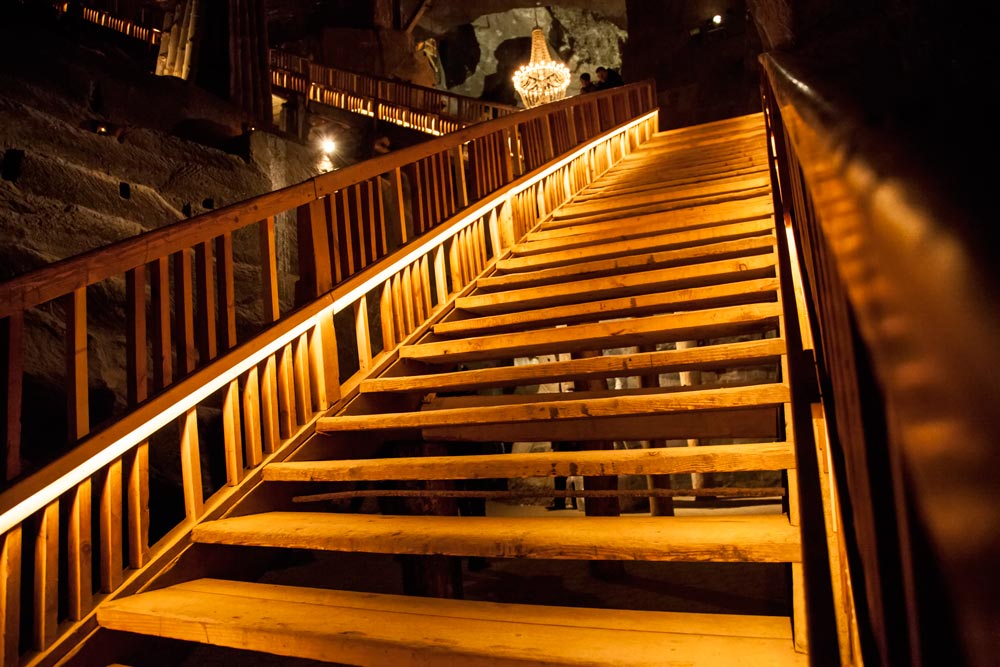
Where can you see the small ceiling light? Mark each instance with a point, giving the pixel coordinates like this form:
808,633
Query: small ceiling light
717,19
327,145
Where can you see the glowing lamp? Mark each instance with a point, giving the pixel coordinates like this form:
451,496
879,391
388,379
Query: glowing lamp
543,79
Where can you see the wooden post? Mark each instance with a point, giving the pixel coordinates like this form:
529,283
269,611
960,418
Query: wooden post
194,499
10,598
77,397
78,553
135,335
111,556
232,434
138,505
205,270
269,271
184,312
11,344
46,591
160,298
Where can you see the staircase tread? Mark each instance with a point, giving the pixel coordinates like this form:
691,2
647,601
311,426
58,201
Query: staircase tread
664,460
610,406
732,538
379,630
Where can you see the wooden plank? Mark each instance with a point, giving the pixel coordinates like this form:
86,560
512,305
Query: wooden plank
111,552
633,261
10,598
270,305
286,392
300,379
269,411
602,335
254,451
194,498
45,610
77,386
11,374
135,336
362,334
78,553
232,433
207,337
731,355
380,630
227,291
610,287
743,538
160,322
697,298
184,312
138,506
567,409
667,460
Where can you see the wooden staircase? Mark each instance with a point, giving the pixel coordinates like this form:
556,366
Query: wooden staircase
650,304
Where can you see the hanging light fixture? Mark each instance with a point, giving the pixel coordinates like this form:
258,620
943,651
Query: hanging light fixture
543,79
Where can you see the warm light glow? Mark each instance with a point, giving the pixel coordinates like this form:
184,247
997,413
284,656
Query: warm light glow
327,145
717,19
20,511
543,79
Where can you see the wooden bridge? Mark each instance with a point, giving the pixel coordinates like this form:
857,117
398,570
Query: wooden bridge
689,296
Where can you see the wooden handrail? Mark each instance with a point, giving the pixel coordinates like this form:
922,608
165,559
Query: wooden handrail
905,314
451,106
270,389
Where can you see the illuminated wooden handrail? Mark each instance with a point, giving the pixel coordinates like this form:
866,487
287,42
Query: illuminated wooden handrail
402,233
419,107
906,329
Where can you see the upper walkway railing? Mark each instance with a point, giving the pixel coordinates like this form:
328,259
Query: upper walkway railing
224,370
402,103
906,345
417,107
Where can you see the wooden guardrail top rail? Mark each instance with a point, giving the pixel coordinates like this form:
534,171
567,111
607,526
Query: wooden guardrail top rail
910,254
461,108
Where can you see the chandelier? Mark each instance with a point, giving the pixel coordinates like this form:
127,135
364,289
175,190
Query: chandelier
542,80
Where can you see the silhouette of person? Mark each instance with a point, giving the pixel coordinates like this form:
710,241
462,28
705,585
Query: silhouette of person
586,85
608,78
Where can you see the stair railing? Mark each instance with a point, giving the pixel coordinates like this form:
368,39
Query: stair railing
906,328
401,102
213,342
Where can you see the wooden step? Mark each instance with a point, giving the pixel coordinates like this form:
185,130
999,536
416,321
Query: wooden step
658,461
611,287
649,330
710,357
653,178
759,538
617,260
613,406
618,228
373,630
697,298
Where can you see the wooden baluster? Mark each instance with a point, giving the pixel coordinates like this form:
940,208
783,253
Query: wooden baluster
160,323
571,133
418,195
435,182
385,310
325,383
361,332
440,277
269,412
12,344
286,393
253,452
46,590
300,370
396,180
10,598
315,274
416,294
377,206
447,184
453,265
204,270
111,557
481,239
227,291
397,310
135,335
77,397
360,222
78,553
184,312
138,505
194,498
458,165
231,434
506,139
347,241
333,227
268,271
425,282
406,291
